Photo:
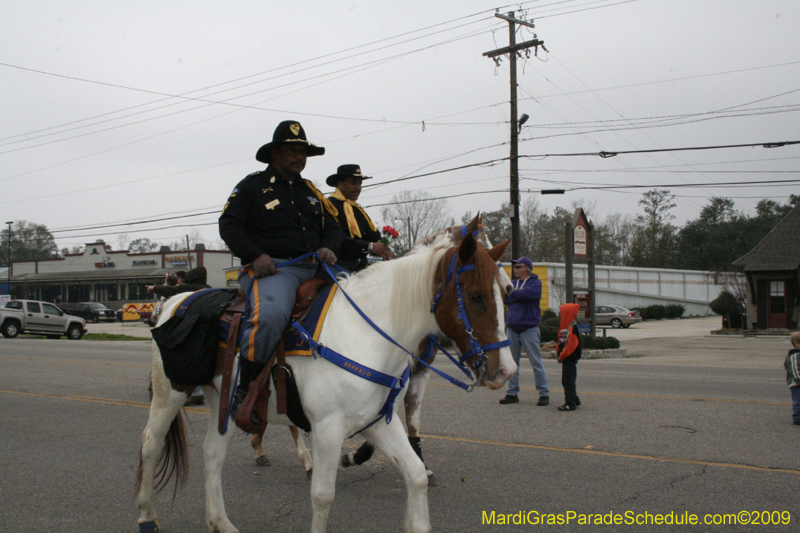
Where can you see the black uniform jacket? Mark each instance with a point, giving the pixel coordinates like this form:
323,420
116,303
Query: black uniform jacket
267,214
354,247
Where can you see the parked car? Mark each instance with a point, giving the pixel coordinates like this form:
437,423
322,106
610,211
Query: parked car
616,316
93,312
39,318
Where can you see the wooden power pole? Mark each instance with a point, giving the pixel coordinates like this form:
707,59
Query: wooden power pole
512,50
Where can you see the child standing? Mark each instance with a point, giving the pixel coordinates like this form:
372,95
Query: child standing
792,366
569,351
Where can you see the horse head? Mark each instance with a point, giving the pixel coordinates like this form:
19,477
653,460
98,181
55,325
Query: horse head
453,235
468,308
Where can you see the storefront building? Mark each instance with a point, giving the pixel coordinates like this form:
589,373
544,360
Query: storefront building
102,275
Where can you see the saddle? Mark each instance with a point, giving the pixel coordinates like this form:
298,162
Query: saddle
259,392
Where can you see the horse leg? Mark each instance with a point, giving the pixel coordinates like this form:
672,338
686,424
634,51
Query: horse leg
326,445
391,439
165,419
215,447
302,451
261,455
413,402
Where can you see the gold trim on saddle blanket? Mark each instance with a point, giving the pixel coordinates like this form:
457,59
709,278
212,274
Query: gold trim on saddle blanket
302,348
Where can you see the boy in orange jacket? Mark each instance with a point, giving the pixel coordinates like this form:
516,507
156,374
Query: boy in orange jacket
569,352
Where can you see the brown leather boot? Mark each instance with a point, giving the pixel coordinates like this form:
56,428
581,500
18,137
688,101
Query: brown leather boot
248,371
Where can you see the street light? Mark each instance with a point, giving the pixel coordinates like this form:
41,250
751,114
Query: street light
9,257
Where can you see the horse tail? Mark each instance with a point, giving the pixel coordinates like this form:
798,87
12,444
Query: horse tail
173,461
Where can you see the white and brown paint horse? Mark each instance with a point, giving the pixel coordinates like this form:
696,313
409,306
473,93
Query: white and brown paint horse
339,403
418,383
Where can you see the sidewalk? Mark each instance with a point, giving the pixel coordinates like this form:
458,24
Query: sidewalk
132,329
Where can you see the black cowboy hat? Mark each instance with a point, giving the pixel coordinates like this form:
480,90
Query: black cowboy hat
345,171
288,132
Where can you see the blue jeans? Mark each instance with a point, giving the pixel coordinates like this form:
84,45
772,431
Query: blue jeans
270,307
530,340
795,403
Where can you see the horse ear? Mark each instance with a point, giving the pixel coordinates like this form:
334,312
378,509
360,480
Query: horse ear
474,223
467,249
497,252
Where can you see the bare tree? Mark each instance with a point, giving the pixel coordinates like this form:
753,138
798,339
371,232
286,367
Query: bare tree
123,240
415,214
613,238
142,245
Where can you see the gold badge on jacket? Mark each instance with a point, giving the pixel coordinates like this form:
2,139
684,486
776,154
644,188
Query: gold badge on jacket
295,128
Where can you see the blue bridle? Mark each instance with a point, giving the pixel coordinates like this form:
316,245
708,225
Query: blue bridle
479,367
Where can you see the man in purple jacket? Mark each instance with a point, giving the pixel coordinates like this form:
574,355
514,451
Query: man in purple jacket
522,327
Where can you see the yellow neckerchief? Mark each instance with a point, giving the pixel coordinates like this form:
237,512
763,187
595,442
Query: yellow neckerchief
324,201
350,215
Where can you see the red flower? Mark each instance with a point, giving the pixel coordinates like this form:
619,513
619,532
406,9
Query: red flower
389,234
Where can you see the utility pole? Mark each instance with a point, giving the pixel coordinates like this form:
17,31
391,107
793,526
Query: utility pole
9,256
512,50
188,252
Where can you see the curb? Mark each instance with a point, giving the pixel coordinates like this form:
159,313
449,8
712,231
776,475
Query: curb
594,354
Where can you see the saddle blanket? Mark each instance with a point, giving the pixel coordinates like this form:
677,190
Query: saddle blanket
293,343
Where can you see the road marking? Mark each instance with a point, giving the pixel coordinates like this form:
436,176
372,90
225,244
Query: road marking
70,361
654,396
204,410
105,401
613,454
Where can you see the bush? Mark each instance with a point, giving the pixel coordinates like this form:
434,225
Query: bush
548,313
675,311
599,343
727,306
548,327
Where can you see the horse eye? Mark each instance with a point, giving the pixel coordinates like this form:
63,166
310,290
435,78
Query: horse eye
476,297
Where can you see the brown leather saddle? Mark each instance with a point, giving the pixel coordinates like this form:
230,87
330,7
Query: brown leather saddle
259,391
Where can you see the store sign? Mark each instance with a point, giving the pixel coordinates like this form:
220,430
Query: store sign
579,242
106,262
177,258
584,301
146,262
133,312
179,263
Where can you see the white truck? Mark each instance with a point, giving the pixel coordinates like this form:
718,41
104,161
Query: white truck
39,318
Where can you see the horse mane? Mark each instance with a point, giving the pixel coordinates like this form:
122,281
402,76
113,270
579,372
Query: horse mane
410,291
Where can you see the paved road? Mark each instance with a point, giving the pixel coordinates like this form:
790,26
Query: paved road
691,423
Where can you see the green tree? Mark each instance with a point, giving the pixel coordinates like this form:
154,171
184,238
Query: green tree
29,241
654,241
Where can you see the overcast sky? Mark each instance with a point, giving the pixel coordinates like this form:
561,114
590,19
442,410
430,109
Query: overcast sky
127,112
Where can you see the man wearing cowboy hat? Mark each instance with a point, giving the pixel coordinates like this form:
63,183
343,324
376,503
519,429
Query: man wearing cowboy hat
360,235
272,216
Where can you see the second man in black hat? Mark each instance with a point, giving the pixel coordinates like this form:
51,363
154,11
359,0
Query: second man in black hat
361,237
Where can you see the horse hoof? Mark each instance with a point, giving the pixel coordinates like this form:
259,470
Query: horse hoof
149,527
263,461
347,460
309,473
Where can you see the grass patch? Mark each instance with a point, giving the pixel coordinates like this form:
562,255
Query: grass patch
113,337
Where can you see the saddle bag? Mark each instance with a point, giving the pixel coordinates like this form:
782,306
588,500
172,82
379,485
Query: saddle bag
188,342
